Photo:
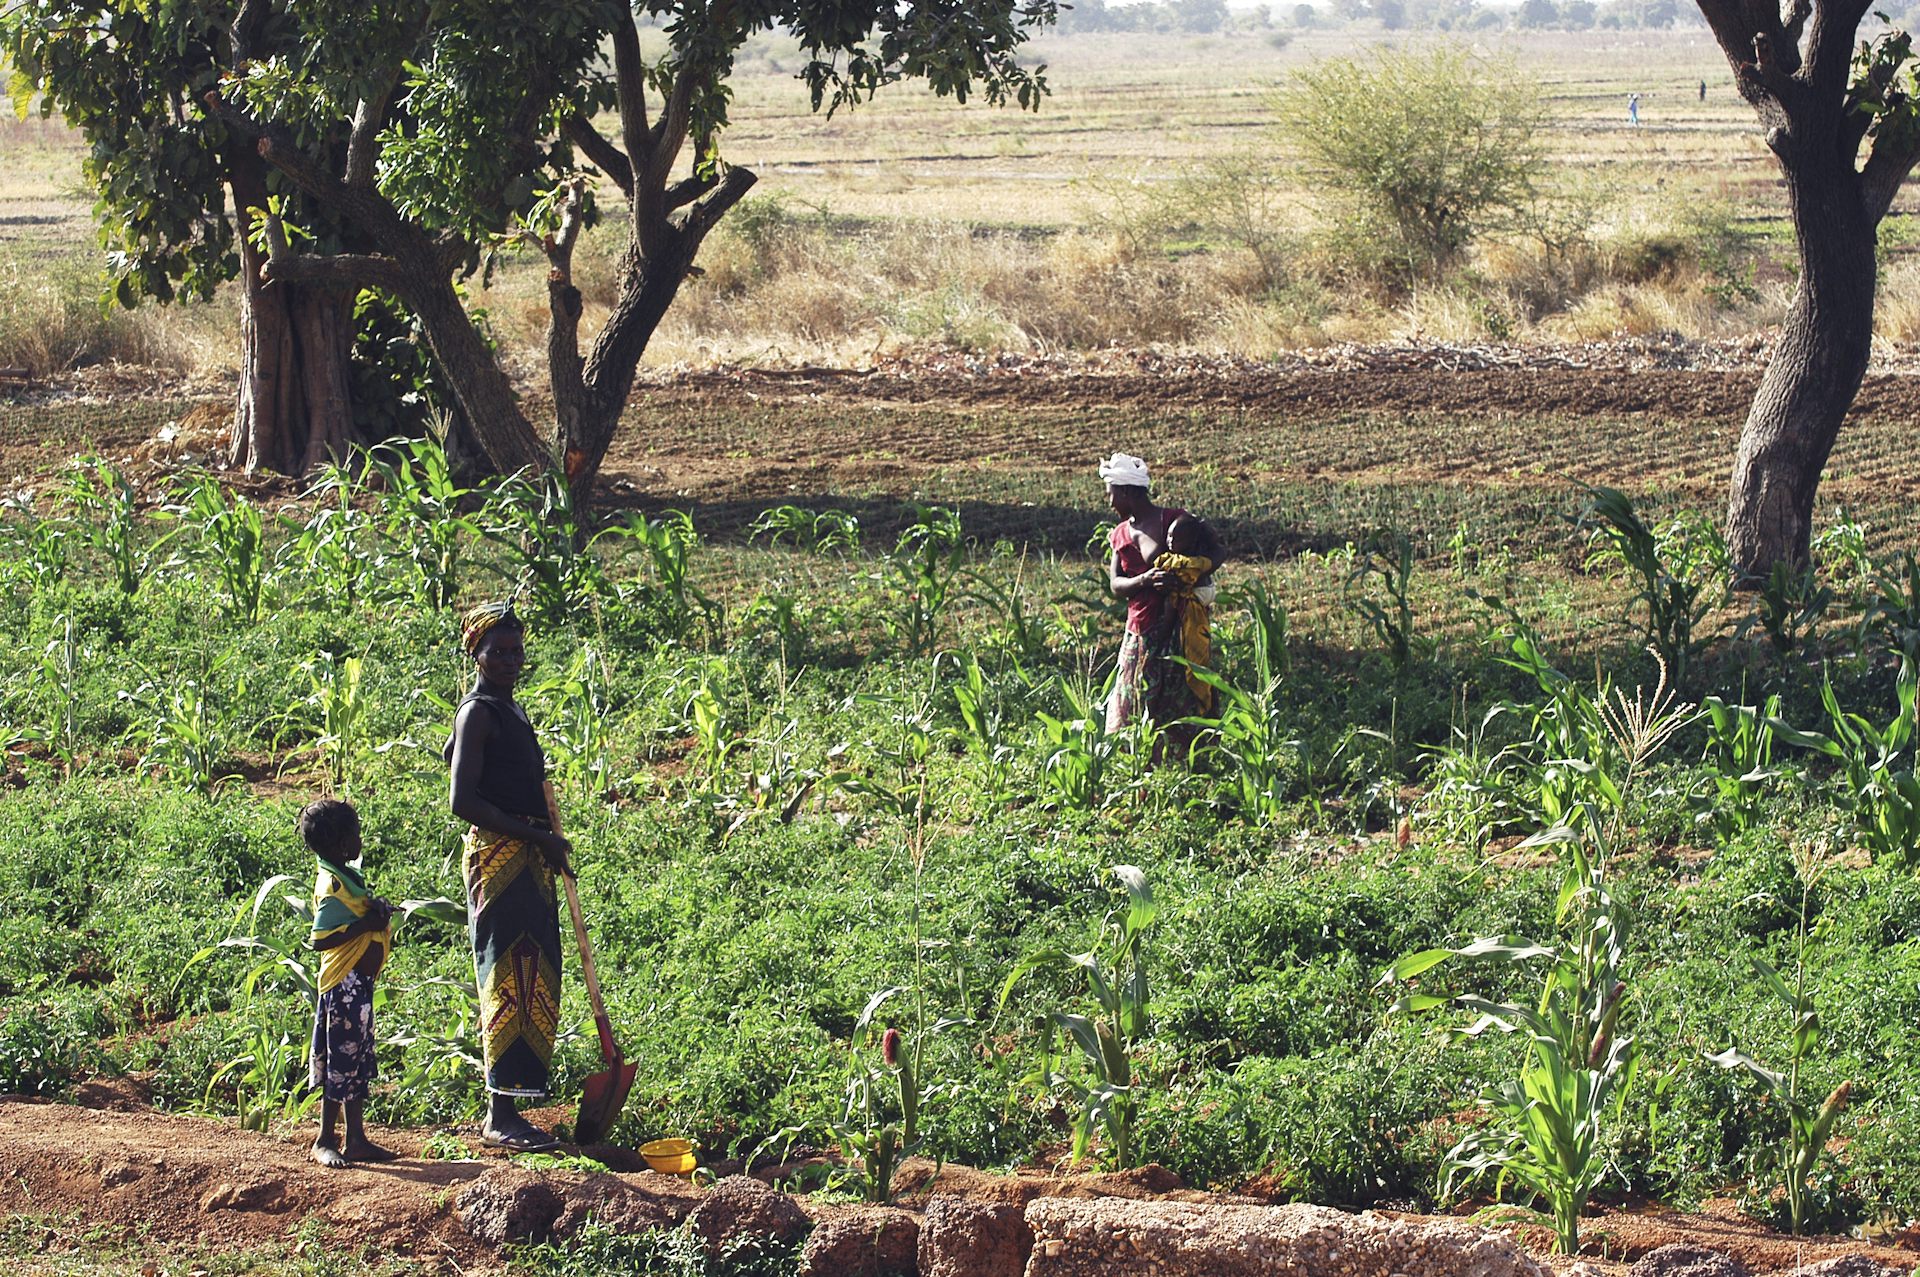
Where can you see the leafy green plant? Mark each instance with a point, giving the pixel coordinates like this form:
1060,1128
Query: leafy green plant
1882,789
188,727
1076,750
1790,605
780,782
1116,973
1578,1067
1669,570
668,544
921,572
60,689
1000,587
1739,753
38,552
110,519
553,561
822,531
597,1250
333,549
232,535
266,1074
1387,559
576,718
881,1123
1808,1123
1894,608
983,720
1575,754
1549,1132
1473,784
341,710
422,515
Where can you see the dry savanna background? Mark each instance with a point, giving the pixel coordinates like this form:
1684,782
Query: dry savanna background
1157,199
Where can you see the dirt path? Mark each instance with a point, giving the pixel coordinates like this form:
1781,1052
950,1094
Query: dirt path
201,1182
206,1183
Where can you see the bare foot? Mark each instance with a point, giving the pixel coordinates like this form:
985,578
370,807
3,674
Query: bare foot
365,1150
328,1156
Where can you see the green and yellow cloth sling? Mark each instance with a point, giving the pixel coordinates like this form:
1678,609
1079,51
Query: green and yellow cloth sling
340,899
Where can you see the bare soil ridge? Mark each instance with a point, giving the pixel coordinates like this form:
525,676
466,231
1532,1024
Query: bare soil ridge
185,1180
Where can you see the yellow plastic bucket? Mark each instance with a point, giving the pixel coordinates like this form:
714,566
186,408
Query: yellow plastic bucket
669,1157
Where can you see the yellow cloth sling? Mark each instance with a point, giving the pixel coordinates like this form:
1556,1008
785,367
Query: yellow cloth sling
1196,618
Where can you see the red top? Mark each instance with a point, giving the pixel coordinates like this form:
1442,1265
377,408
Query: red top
1143,609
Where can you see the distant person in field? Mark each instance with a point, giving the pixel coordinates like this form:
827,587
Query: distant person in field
352,931
511,854
1162,565
1633,109
1703,90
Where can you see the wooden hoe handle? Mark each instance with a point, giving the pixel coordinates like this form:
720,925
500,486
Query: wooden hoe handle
608,1049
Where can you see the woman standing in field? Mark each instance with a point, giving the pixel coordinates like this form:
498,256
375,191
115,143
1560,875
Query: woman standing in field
511,855
1162,564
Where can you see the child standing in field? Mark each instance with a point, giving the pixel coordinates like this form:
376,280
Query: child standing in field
352,933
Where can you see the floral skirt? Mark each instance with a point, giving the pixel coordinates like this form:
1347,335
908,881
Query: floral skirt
513,921
1150,684
342,1051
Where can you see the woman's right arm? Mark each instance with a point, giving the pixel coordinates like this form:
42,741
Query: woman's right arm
472,730
1128,586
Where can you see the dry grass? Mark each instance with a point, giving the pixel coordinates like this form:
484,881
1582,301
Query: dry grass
913,221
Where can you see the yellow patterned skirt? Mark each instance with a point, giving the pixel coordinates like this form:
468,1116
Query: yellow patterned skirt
513,921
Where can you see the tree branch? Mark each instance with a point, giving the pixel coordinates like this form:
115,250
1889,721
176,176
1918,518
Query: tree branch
1886,168
601,153
630,88
1794,21
370,113
670,130
698,219
346,272
1749,34
686,191
1830,45
246,25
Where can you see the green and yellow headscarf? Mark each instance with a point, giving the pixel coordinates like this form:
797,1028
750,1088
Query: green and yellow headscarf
478,621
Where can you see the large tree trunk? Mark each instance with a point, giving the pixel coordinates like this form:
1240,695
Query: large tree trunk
473,371
1813,376
295,404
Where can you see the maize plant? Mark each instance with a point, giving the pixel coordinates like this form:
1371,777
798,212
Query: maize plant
1116,973
1578,1067
1879,763
1740,752
420,514
1808,1123
232,534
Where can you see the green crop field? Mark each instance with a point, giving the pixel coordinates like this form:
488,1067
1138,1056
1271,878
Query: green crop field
823,759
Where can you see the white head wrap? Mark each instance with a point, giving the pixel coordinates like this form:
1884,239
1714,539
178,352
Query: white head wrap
1123,471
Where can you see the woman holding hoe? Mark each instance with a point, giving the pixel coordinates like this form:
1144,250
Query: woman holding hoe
511,855
1162,565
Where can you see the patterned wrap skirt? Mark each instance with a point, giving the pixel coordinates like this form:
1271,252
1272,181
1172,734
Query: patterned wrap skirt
342,1065
1150,684
513,921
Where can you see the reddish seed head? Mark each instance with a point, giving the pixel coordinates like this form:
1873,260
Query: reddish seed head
890,1048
